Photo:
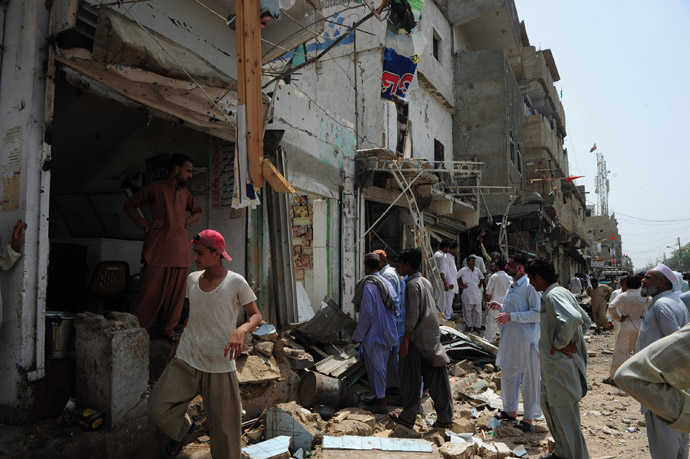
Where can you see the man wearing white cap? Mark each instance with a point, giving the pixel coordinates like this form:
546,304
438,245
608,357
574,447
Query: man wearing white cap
667,314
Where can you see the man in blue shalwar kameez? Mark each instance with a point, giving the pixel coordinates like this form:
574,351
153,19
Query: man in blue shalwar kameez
376,329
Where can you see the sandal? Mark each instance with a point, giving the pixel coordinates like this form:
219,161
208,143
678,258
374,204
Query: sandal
610,382
503,416
442,425
398,420
526,426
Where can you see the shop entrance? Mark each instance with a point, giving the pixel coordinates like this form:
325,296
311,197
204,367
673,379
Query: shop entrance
104,150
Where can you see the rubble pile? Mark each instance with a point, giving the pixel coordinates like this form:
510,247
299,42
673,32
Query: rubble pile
475,432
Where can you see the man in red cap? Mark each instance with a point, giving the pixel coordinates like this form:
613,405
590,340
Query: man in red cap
166,252
205,359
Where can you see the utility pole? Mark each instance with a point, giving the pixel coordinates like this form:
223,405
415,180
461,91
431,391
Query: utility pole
250,121
601,185
249,104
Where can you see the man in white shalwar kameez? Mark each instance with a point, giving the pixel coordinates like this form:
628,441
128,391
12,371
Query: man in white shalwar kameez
629,309
442,265
496,290
666,315
518,349
469,279
452,276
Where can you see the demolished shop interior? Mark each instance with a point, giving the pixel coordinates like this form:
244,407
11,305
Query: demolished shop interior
104,148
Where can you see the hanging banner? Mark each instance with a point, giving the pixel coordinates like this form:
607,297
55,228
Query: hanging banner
403,47
398,73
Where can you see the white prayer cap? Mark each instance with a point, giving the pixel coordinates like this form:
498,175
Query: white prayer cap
667,273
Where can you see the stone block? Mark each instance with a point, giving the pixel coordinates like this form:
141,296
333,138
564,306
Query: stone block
351,427
275,448
300,361
264,348
256,369
402,431
463,425
457,371
367,419
487,451
502,450
453,450
550,445
292,420
112,366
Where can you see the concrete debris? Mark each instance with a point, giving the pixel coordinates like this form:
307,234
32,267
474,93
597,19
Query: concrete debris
265,348
266,332
402,431
453,450
112,366
298,359
376,443
520,451
351,427
256,369
463,426
292,420
508,431
367,419
275,448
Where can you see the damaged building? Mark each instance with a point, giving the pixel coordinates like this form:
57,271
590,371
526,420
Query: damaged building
381,132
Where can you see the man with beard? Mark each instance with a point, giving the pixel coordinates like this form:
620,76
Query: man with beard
518,351
629,309
446,283
657,376
390,274
166,255
666,315
452,275
375,300
599,295
563,359
496,290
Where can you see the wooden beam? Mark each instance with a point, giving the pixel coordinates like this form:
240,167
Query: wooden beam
275,178
249,82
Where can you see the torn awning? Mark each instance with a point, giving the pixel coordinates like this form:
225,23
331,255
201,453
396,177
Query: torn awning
179,98
150,69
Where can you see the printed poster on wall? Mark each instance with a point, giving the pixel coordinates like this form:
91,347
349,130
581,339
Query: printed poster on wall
222,174
10,169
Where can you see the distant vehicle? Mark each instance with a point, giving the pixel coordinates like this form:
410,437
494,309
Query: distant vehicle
611,274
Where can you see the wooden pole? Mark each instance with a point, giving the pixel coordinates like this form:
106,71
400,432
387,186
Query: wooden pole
248,32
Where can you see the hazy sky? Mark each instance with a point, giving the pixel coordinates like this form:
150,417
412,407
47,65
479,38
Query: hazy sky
625,76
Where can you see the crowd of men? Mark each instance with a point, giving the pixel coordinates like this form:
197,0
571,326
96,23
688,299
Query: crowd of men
538,325
541,346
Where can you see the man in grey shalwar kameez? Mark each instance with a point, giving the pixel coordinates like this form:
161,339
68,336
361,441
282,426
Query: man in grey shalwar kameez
666,315
422,358
563,356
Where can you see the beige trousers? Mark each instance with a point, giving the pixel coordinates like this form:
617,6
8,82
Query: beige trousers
178,385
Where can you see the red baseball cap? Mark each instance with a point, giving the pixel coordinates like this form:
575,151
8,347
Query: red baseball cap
213,240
